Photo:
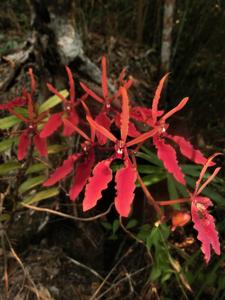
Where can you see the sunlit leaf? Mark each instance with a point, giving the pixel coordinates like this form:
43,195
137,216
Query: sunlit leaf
7,144
8,122
31,183
9,167
52,101
36,168
45,194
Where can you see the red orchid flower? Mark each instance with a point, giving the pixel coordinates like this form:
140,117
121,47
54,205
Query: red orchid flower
31,133
165,151
102,118
204,223
83,170
16,102
69,113
125,177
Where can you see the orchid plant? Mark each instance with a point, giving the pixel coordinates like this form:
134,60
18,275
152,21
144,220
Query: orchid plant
99,147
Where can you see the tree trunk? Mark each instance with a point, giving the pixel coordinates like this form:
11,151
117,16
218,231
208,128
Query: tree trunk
169,6
55,41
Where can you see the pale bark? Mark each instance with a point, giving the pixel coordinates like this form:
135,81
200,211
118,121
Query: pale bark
168,14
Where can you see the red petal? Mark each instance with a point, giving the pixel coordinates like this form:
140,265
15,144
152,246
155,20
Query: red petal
203,171
41,145
125,186
24,142
82,174
188,150
204,224
61,171
101,129
155,101
30,107
168,155
104,78
51,126
143,114
72,118
71,83
91,93
32,80
102,175
141,138
182,103
132,130
124,116
103,120
18,101
54,91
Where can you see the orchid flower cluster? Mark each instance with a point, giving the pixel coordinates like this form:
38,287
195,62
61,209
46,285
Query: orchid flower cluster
137,125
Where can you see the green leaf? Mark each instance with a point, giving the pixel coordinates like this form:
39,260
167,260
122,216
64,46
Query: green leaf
52,101
36,168
131,223
149,169
115,226
173,194
31,183
9,167
4,217
45,194
152,179
107,225
8,122
150,156
155,273
7,144
182,189
22,111
56,148
144,232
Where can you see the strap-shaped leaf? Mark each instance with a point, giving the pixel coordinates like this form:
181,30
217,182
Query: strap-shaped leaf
30,183
42,195
125,186
204,224
102,175
53,101
8,167
52,125
82,174
8,122
7,143
61,171
168,156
